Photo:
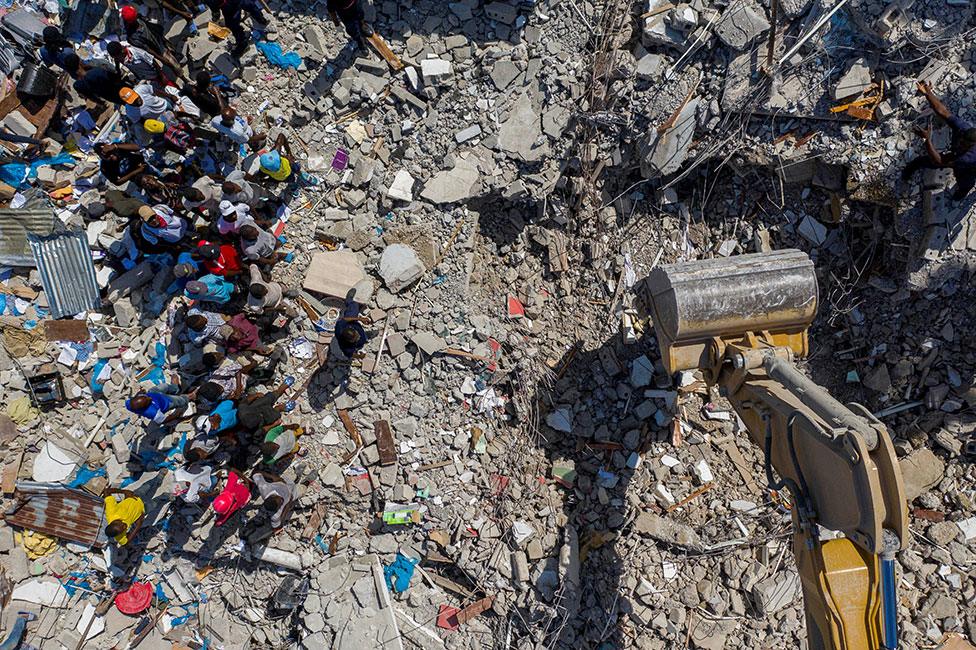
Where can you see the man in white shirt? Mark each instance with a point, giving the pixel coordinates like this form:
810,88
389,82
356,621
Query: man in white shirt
232,126
144,104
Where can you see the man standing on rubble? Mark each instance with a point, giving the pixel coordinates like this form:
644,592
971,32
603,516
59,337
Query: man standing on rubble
351,15
961,157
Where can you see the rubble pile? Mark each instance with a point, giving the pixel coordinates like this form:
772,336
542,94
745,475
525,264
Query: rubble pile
509,459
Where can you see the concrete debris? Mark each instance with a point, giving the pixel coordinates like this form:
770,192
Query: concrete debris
401,188
457,184
521,132
436,321
664,153
741,23
776,592
667,531
855,81
921,471
400,267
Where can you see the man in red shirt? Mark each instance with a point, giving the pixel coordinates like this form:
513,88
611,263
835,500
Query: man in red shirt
223,260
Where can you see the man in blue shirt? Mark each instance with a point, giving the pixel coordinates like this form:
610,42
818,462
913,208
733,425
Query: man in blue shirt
961,157
210,288
55,47
162,406
349,332
97,84
223,417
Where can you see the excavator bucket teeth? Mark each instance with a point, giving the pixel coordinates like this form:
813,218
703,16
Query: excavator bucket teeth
694,302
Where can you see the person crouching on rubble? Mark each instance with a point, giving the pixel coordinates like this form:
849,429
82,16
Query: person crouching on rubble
961,157
124,518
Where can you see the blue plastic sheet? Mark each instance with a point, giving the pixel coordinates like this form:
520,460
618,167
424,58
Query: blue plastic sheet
155,375
272,52
19,174
85,474
398,573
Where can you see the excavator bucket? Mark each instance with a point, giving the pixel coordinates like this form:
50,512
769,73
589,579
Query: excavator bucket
693,303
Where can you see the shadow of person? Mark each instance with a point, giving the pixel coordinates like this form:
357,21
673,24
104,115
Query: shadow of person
331,380
593,437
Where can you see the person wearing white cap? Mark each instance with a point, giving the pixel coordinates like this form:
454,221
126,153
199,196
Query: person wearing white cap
231,217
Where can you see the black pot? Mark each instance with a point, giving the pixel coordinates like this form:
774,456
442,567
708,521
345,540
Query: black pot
37,80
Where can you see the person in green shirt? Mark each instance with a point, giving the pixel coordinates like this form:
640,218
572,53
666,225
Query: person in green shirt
280,442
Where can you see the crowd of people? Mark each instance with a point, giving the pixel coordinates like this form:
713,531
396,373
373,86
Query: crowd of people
205,193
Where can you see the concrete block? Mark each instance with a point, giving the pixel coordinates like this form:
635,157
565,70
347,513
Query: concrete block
502,12
436,71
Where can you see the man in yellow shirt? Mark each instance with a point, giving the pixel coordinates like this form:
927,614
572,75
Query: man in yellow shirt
123,518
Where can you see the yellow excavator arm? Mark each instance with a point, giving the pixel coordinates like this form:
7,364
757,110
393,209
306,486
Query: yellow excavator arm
742,321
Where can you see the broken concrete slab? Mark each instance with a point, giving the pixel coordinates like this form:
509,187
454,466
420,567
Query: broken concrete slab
436,71
503,12
503,73
334,273
401,189
921,471
776,592
854,81
469,133
667,531
664,153
649,66
741,23
428,342
400,267
520,133
453,185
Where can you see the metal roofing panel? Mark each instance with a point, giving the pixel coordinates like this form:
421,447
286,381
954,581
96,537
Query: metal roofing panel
64,262
59,511
14,226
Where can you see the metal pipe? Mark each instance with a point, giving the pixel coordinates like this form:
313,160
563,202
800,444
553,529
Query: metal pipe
889,598
889,604
816,28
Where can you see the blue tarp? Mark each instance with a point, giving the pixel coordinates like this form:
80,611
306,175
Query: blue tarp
18,174
272,52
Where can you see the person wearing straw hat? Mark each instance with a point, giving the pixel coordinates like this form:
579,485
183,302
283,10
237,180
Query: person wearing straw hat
160,225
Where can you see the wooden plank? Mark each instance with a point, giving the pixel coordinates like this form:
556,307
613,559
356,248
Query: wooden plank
442,463
10,471
463,353
350,427
385,443
740,465
384,51
474,609
448,584
66,330
314,522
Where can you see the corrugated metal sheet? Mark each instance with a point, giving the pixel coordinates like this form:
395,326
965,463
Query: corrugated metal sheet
15,224
59,511
64,262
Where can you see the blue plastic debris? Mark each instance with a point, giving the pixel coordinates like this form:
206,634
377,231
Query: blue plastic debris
272,52
398,573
